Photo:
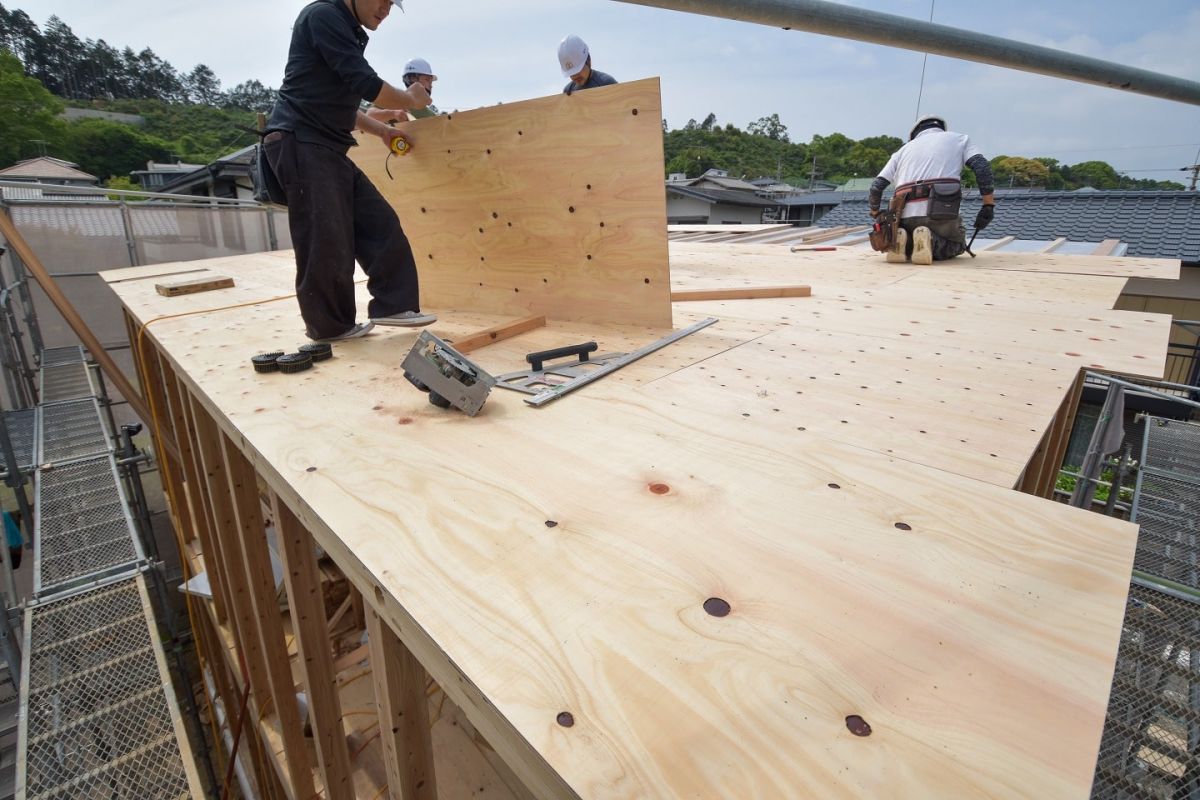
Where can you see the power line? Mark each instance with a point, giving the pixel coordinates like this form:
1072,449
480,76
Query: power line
924,61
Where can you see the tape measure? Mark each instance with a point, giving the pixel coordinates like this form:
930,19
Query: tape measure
401,146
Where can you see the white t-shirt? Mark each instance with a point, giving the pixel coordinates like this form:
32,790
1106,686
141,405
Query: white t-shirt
933,154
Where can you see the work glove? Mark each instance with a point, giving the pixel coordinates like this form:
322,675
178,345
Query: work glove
874,212
985,216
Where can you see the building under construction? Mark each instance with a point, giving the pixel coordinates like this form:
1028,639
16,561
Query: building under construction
792,522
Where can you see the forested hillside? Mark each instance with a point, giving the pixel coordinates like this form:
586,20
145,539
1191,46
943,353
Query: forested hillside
190,118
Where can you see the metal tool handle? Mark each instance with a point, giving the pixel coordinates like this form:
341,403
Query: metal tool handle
535,359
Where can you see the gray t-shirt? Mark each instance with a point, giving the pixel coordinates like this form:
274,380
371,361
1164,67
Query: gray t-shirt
597,78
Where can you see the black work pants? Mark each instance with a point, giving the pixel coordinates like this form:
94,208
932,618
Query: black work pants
948,236
336,215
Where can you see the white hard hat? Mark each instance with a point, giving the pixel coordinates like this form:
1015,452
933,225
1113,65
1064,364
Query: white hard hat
572,55
926,122
419,66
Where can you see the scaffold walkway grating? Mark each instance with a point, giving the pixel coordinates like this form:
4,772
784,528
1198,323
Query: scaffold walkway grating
71,430
1151,742
65,382
98,709
82,527
52,356
22,431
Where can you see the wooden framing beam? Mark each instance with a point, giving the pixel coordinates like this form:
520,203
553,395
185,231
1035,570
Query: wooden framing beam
307,609
251,543
752,293
50,286
497,333
1106,247
403,714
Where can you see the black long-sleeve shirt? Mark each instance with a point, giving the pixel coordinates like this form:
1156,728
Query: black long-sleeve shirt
326,77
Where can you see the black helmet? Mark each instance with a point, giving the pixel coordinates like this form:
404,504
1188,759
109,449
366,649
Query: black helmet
925,123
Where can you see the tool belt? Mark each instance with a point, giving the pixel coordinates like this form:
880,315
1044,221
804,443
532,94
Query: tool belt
883,232
944,196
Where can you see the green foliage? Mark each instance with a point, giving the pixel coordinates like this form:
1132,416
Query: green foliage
1067,483
108,148
765,149
123,183
28,114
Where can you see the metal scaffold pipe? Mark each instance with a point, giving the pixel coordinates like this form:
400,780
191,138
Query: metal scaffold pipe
846,22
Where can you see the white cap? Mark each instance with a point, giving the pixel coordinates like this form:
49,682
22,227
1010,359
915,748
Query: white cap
572,55
419,66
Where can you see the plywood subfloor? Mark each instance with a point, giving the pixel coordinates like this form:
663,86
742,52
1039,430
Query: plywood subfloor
872,569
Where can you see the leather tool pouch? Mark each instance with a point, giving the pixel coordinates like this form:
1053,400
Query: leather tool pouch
883,232
266,185
944,200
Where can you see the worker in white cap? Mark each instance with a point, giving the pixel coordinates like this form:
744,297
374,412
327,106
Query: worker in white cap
418,86
576,62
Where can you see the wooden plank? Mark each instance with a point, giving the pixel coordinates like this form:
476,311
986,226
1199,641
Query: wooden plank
759,292
250,539
551,207
999,244
69,313
193,285
403,714
307,609
1106,247
168,688
1054,245
497,333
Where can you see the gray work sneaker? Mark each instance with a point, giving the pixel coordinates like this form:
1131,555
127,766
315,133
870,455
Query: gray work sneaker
407,319
360,329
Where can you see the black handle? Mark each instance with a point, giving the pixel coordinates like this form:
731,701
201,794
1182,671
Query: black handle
535,359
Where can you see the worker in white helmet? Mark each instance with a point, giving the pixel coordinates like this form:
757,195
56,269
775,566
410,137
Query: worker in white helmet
576,62
418,86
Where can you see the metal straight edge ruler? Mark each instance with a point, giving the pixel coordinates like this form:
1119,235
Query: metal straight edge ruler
524,380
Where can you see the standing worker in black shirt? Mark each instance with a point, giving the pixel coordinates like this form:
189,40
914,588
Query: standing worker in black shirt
576,62
335,214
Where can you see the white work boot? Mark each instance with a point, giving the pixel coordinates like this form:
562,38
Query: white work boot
922,246
896,253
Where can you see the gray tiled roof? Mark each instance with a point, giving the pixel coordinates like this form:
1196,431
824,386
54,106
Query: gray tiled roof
1154,224
729,197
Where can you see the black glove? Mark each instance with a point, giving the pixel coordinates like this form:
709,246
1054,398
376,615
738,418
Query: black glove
985,216
874,212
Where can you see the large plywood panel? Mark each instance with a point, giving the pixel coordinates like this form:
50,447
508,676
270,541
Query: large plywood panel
552,206
872,569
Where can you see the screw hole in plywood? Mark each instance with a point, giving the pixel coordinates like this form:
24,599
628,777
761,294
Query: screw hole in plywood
716,607
565,719
659,488
903,526
857,725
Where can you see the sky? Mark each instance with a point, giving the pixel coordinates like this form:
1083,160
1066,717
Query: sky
490,52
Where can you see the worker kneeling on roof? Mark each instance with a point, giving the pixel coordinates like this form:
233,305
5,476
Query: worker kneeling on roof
929,192
576,62
335,213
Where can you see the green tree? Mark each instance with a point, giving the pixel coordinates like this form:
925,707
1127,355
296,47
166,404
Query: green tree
27,112
770,127
251,96
1096,174
203,87
1017,171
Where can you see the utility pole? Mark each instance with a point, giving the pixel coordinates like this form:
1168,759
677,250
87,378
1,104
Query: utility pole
1195,170
812,178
